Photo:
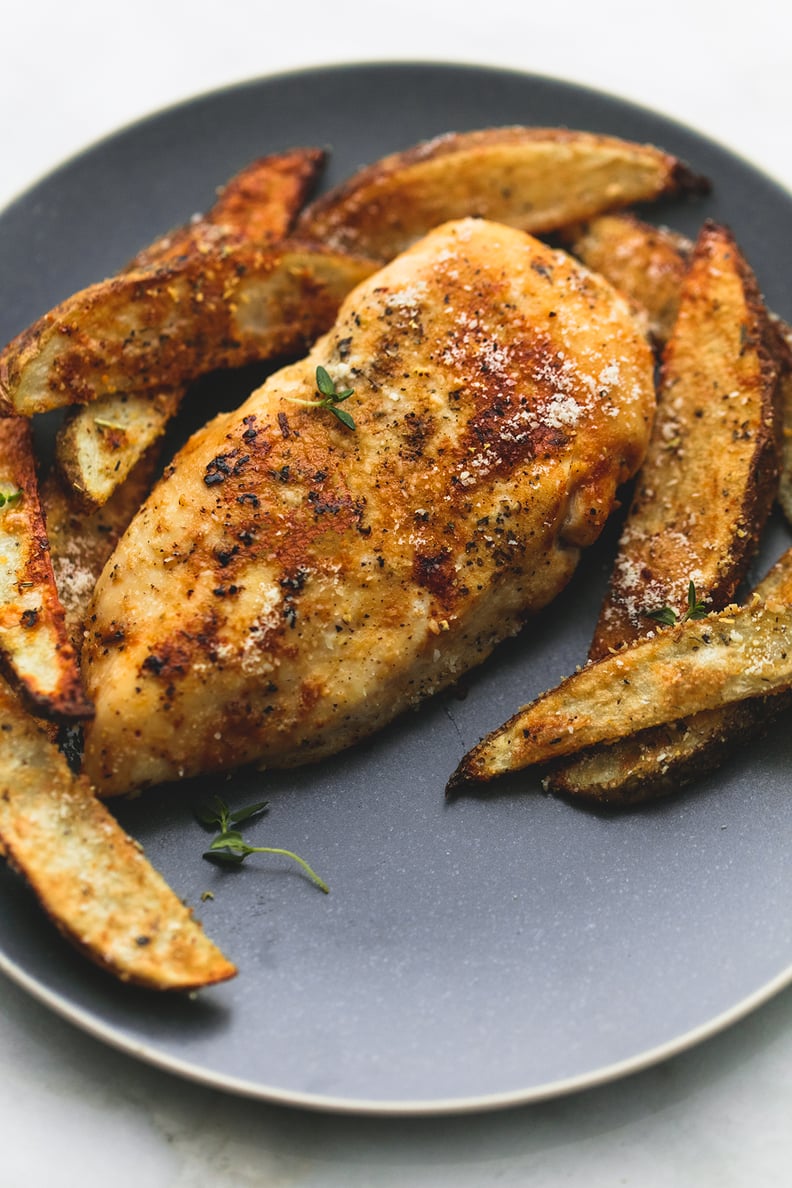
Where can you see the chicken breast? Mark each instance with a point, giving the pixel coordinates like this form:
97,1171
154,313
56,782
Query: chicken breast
294,582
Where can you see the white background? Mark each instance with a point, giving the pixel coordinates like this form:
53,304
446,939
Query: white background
75,1113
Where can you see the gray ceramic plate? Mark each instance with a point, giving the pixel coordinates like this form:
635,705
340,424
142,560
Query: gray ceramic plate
470,955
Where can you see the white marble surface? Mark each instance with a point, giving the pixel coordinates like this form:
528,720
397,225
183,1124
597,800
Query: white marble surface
73,1112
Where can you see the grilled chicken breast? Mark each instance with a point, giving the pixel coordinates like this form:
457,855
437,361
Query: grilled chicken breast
293,582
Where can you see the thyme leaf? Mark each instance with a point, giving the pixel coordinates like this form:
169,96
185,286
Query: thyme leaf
696,608
666,615
343,416
215,813
331,397
324,383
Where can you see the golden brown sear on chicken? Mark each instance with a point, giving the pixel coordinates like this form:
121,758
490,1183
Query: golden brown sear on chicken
297,580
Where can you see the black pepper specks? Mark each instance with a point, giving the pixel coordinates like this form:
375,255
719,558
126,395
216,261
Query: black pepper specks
223,466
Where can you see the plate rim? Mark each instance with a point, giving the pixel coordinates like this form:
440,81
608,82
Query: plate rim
365,1107
384,63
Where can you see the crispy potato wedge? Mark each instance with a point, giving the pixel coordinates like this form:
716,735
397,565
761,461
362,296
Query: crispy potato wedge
536,179
701,664
647,264
99,445
81,542
150,332
33,638
258,205
89,876
708,482
660,760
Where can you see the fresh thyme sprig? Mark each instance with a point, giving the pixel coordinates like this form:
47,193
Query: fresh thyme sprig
330,398
668,616
229,848
10,498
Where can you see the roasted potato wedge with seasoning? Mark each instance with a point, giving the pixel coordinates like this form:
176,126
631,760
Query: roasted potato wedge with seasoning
150,332
648,264
700,664
258,205
99,445
90,877
34,643
81,541
708,482
536,179
660,760
701,500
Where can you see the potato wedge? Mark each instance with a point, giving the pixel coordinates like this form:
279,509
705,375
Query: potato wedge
33,639
709,479
81,542
660,760
536,179
99,445
89,876
148,332
731,655
647,264
258,205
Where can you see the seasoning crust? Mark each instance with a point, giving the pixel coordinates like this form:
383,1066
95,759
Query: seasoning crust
292,584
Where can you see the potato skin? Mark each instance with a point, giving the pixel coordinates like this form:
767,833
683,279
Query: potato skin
658,761
701,502
537,179
730,656
35,649
90,877
647,264
150,331
708,483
